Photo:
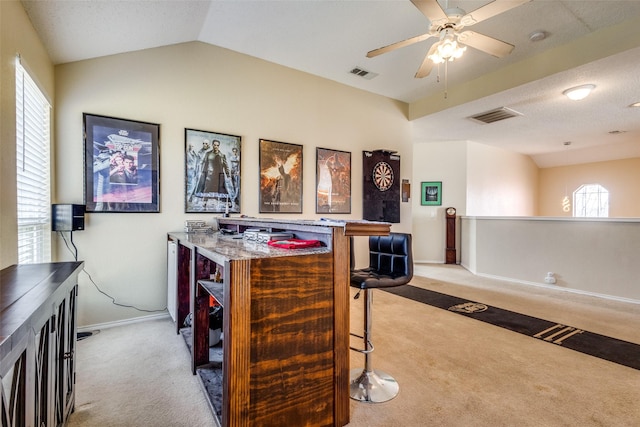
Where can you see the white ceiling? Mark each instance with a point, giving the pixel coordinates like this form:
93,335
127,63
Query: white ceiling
329,38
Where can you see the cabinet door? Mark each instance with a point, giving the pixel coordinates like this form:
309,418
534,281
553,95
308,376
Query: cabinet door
13,392
64,375
42,390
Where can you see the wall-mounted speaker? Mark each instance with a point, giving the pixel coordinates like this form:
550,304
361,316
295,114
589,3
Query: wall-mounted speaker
67,217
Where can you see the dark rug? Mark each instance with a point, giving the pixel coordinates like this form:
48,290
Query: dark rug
211,378
210,374
607,348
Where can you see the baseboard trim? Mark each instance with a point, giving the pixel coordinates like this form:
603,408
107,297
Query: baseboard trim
558,288
551,287
428,261
123,322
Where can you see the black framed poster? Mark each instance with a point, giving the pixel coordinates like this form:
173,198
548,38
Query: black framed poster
280,177
212,172
121,165
333,181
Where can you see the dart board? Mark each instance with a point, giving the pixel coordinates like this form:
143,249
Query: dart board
381,186
383,176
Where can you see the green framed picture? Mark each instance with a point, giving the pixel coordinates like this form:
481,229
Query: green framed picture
431,193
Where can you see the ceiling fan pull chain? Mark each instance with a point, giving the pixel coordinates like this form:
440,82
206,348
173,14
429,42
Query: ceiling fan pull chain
446,78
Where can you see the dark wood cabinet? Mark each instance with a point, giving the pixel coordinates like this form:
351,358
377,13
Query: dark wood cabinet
37,343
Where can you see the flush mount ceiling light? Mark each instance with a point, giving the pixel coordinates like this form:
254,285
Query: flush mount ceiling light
538,35
579,92
635,104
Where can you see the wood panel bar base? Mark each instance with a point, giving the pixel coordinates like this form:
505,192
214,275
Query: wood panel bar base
285,346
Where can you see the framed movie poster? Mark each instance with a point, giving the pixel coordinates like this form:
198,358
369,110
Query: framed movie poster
212,172
333,181
121,164
280,177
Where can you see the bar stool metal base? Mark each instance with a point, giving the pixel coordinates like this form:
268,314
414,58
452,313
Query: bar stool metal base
372,386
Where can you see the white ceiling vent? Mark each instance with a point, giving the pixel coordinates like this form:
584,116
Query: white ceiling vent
495,115
361,72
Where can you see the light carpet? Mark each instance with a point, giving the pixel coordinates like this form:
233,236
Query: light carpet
452,370
137,375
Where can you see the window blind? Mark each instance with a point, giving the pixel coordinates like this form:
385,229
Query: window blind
33,141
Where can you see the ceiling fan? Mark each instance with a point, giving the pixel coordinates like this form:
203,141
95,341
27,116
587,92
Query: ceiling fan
447,25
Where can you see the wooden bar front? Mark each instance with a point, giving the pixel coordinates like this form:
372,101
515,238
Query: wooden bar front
286,320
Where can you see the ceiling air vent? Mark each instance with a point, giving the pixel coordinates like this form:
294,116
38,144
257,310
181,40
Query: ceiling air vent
495,115
361,72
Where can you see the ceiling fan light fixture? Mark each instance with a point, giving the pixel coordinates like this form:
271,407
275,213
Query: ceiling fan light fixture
447,49
450,49
579,92
457,53
446,24
436,58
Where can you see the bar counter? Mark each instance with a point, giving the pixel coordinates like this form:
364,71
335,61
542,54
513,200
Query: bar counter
285,348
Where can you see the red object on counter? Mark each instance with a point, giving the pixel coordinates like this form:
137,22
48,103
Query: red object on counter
294,243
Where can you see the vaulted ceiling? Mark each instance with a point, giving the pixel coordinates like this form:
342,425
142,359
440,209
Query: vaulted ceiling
595,42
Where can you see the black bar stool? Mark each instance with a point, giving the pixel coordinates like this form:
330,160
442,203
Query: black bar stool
390,264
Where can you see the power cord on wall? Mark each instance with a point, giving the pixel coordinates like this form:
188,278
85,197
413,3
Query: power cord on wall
113,300
75,249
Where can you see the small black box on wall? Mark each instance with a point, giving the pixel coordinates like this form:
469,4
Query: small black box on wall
67,217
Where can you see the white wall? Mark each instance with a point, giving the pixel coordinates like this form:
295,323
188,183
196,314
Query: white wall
588,256
476,179
445,162
199,86
500,182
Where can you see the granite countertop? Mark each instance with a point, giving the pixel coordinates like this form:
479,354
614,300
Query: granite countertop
351,227
234,247
220,247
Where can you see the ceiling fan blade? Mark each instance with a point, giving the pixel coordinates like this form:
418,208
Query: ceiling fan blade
494,8
487,44
398,45
427,64
432,10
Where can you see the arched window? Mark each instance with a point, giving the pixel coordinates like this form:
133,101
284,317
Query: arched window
591,200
